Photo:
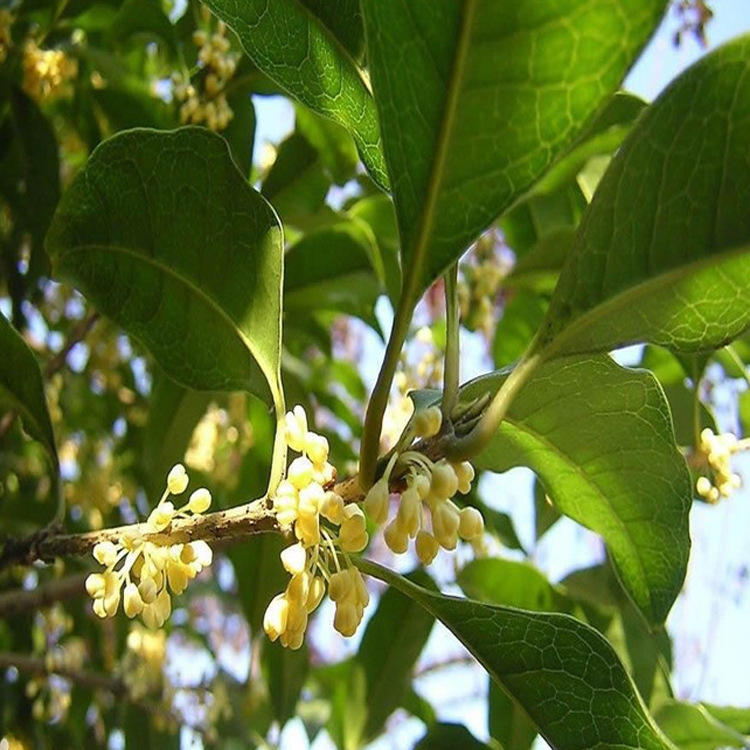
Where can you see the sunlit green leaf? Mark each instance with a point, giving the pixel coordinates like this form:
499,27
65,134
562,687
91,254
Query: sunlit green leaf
166,237
600,437
295,47
693,727
484,97
563,673
662,254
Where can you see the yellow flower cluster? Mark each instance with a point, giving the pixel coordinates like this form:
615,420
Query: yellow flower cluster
479,285
46,71
430,484
149,569
209,104
327,530
717,450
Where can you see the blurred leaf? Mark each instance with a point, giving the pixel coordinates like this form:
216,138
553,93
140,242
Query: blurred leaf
166,237
539,268
377,211
286,671
143,17
518,324
485,98
173,413
391,645
308,61
22,388
692,727
296,184
30,174
662,253
732,716
511,583
545,513
333,143
344,685
600,437
240,133
508,723
444,736
334,268
552,665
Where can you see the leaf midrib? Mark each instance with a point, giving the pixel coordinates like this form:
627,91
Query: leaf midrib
422,240
196,290
627,298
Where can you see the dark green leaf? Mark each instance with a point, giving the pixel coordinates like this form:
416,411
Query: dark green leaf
165,236
333,143
539,269
22,389
692,727
240,133
444,736
295,48
337,268
563,673
296,184
260,575
391,645
477,99
662,254
344,685
143,17
344,19
286,671
600,437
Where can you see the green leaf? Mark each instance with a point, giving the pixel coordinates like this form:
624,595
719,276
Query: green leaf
22,389
478,99
143,17
511,583
662,254
545,513
516,328
337,268
563,674
30,173
692,727
508,723
539,269
444,736
296,184
377,211
260,575
286,671
600,437
732,716
391,645
164,235
309,62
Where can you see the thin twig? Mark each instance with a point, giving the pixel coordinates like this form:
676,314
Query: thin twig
24,600
36,666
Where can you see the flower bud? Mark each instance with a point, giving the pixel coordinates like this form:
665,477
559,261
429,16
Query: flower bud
396,537
177,480
332,507
294,559
471,524
427,547
132,602
316,448
105,553
427,422
161,516
377,501
295,428
444,481
200,501
465,475
95,585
